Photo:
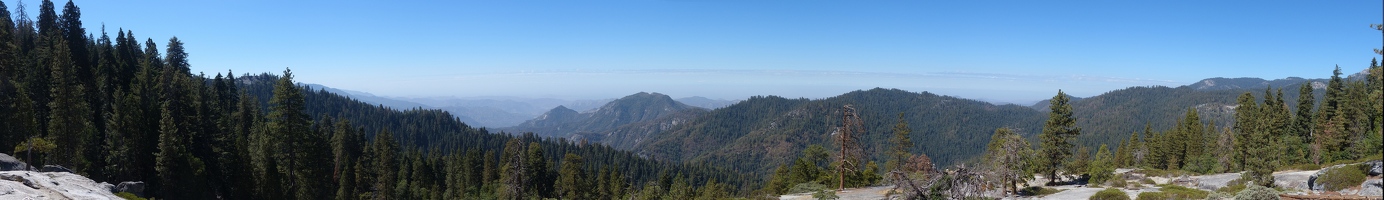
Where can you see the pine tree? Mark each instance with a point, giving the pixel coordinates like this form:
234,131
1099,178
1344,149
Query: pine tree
1194,133
617,183
346,151
315,152
303,150
571,181
16,108
1276,124
1102,169
1245,126
1254,141
1124,154
1300,134
1080,162
712,190
1055,141
179,173
1302,122
539,179
599,183
679,189
386,150
903,145
778,182
125,122
1158,148
69,119
1005,155
513,171
47,19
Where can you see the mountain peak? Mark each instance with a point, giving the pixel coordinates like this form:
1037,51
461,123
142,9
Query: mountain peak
638,107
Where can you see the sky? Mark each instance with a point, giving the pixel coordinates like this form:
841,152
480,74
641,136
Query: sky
1006,51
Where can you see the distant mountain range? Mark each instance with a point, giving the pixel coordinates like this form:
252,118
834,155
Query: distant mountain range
707,103
496,112
564,122
765,131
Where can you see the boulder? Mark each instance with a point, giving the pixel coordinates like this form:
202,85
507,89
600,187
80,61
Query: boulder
54,168
1312,180
1372,187
132,187
1376,168
1373,171
51,185
9,163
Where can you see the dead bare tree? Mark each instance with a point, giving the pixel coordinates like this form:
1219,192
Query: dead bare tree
956,183
848,136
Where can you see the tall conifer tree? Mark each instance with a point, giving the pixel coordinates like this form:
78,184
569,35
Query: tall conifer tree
1055,141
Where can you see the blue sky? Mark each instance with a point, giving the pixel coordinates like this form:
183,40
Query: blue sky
1015,51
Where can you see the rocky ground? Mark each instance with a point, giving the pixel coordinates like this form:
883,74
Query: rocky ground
1294,182
869,193
51,185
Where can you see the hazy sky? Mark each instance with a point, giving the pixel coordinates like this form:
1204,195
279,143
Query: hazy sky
995,50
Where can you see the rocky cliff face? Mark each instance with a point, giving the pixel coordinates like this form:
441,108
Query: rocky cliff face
51,185
16,182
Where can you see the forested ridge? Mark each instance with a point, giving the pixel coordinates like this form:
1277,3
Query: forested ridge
117,109
763,132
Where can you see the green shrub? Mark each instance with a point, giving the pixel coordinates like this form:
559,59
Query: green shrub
825,195
1256,192
1233,187
1148,181
128,196
808,187
1153,196
1037,191
1180,192
1342,177
1174,192
1219,196
1119,183
1110,194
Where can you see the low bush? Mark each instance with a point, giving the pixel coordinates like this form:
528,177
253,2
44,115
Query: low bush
1233,187
1256,192
1180,192
1148,181
1153,196
1174,192
1037,191
1119,183
1343,177
825,195
1110,194
808,187
1220,196
128,196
